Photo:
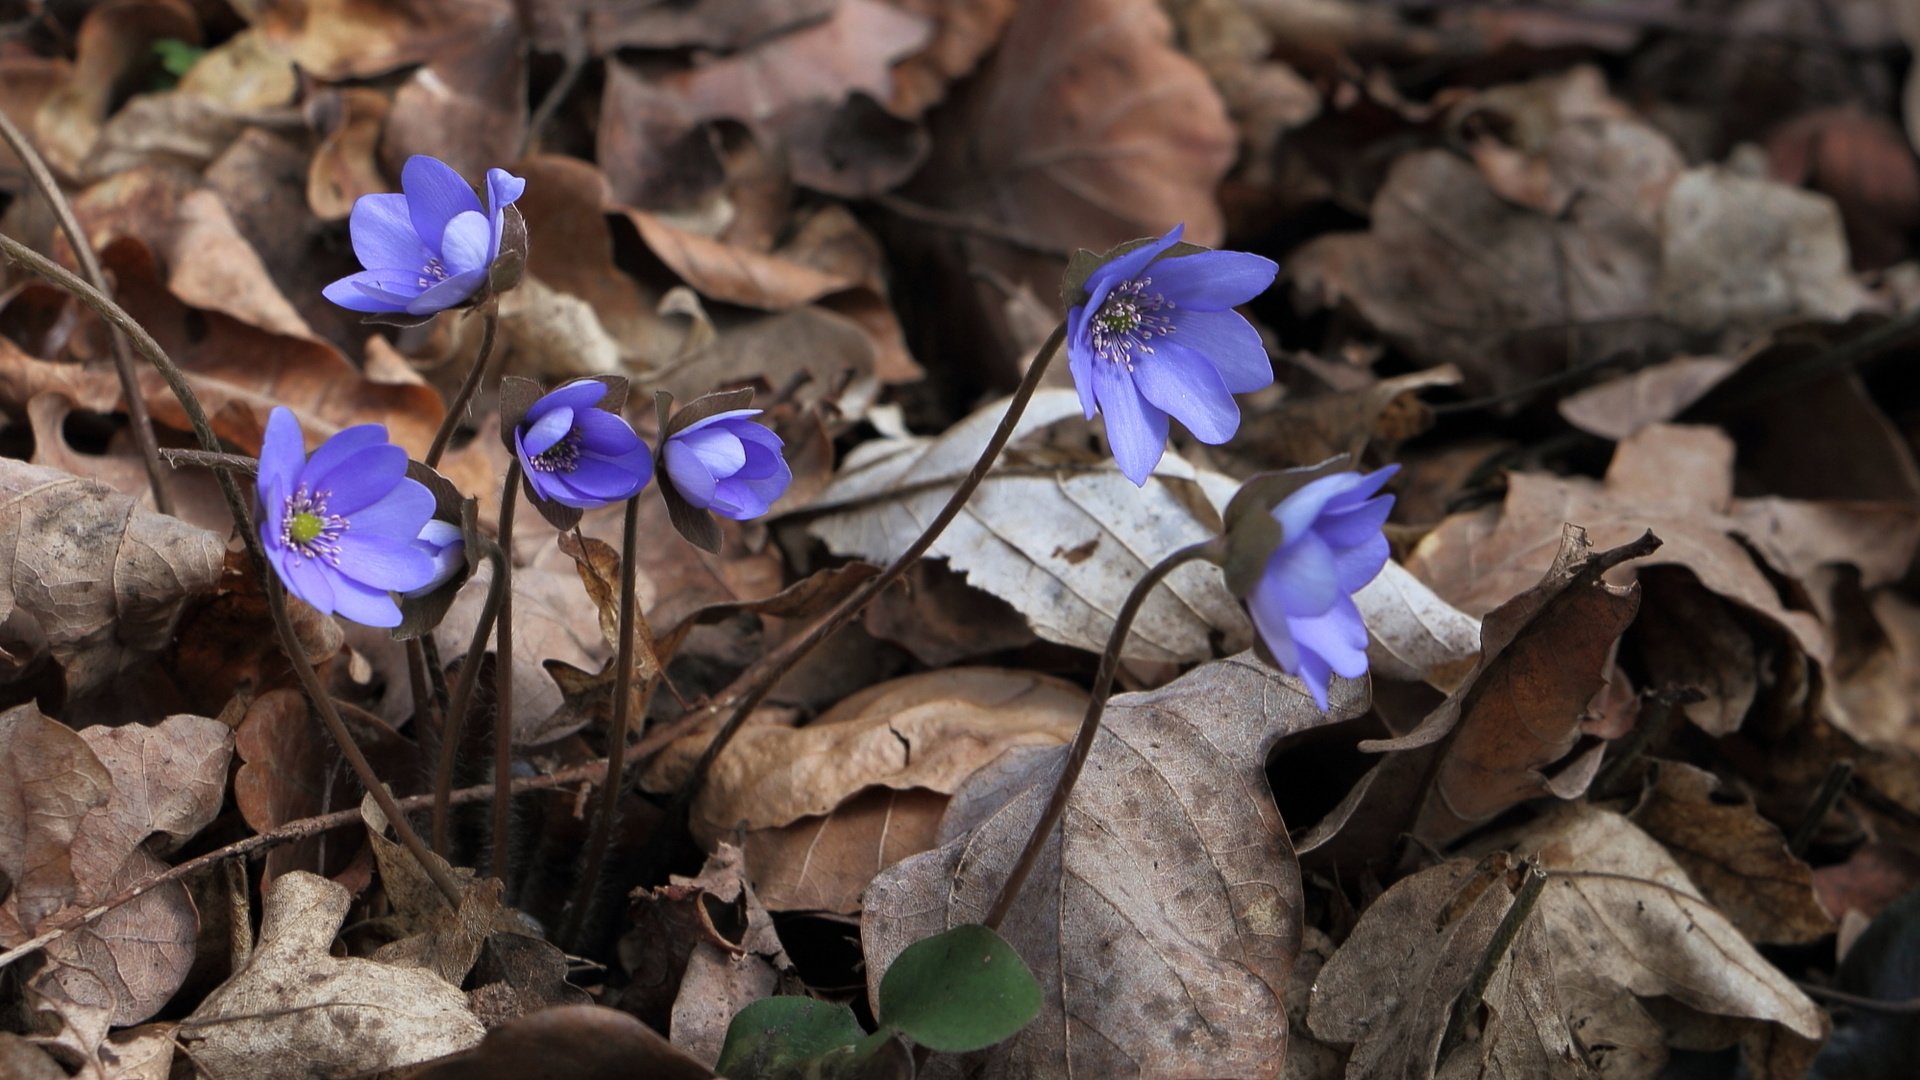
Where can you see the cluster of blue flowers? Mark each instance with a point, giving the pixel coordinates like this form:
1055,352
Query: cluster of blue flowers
1154,336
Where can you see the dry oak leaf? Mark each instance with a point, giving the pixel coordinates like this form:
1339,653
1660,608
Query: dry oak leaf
1165,916
91,581
317,1015
1739,859
355,39
1391,987
1621,916
1063,542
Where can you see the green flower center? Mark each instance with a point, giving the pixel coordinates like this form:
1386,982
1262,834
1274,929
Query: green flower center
1128,320
305,527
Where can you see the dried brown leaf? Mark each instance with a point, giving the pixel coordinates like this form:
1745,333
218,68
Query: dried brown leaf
1164,921
293,1002
584,1042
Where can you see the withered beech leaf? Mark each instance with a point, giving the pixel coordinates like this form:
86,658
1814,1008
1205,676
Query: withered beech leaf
1630,921
314,1014
53,781
92,581
1164,917
1063,543
427,933
1739,859
1391,987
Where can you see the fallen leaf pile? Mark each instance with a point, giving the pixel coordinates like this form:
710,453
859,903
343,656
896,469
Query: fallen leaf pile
1627,292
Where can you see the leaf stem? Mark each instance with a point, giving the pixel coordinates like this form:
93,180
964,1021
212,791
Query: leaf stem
603,822
42,178
503,676
468,386
777,666
456,716
1212,549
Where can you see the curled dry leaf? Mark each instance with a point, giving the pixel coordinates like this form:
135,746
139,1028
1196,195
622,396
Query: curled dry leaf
1629,921
1413,634
427,933
94,583
1164,920
1392,986
1618,408
584,1042
314,1014
1738,859
1062,541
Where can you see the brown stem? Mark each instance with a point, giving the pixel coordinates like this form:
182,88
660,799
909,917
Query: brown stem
503,675
775,668
603,822
1504,935
1090,723
468,386
422,708
456,716
42,178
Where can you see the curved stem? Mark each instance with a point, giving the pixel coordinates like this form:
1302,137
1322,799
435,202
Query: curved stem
243,521
468,386
790,656
603,822
1090,723
456,716
42,178
503,676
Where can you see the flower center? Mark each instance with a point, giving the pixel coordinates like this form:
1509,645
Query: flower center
1128,319
431,274
561,457
308,530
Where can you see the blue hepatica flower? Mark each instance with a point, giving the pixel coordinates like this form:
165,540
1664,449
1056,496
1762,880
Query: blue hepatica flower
577,455
428,249
1159,339
341,527
727,464
1330,547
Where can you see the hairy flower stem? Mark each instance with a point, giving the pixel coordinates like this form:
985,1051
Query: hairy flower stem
1213,549
603,822
775,668
422,702
43,180
503,676
243,520
456,716
468,386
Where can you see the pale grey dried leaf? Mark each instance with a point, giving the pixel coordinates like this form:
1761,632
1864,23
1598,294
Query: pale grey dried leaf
1164,917
317,1015
1413,634
1063,545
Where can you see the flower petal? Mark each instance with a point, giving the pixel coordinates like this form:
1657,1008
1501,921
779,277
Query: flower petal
503,188
1356,525
1213,280
1313,671
718,448
1339,637
282,453
689,474
344,444
384,562
763,460
1127,267
435,195
361,479
1136,430
402,512
1298,511
310,580
1354,566
1189,389
549,429
1080,358
383,236
578,395
463,246
365,604
724,418
446,294
1304,569
1225,340
1267,605
609,479
369,291
604,433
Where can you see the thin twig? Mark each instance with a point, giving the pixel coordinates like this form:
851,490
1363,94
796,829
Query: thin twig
240,463
142,422
962,223
1831,788
603,822
767,674
1910,1005
456,715
468,386
1503,938
1089,724
503,675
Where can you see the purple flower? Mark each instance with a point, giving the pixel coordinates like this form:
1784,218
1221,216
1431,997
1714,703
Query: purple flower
1330,547
1146,345
727,464
429,249
340,527
577,455
442,542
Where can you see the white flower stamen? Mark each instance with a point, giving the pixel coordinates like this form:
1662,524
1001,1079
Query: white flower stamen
432,273
1129,318
308,530
561,457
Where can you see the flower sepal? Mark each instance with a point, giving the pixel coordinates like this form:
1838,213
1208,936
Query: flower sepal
694,523
422,609
1251,532
1082,264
